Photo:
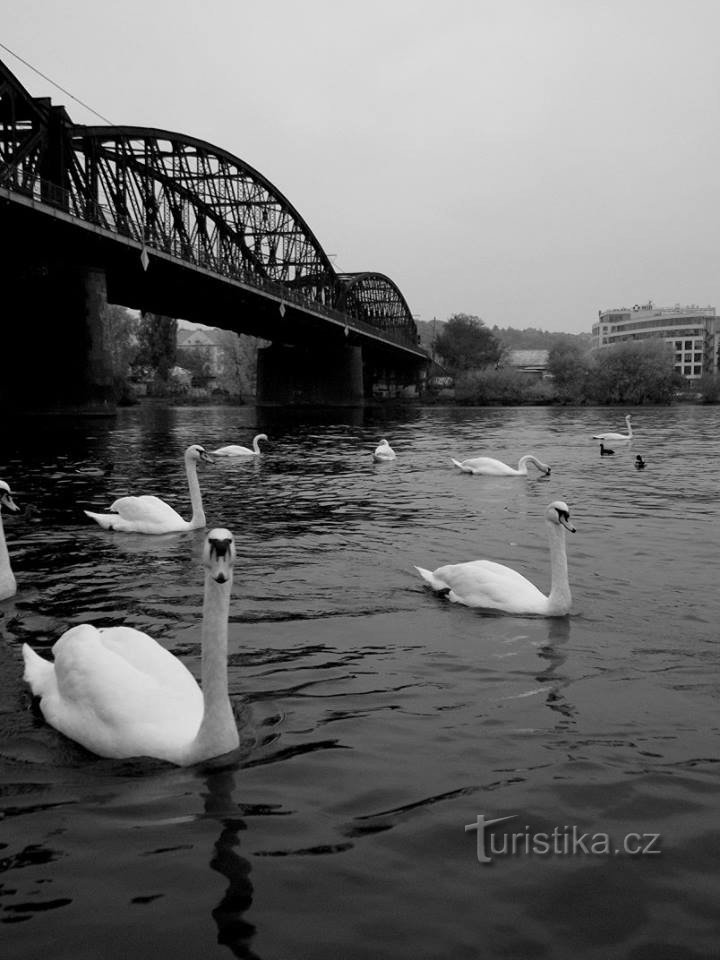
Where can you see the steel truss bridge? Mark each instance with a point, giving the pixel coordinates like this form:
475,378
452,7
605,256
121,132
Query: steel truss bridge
144,202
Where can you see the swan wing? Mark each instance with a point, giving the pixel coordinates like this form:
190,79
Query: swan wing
232,450
487,465
145,509
484,583
109,704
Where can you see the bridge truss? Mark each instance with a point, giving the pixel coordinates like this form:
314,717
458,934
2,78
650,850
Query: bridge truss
189,199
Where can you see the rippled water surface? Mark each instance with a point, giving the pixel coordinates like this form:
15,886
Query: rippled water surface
376,720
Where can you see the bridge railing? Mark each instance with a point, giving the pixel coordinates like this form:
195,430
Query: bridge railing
101,215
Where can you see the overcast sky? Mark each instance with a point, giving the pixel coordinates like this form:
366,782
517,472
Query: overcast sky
526,161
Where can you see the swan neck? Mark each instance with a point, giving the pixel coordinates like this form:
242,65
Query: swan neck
217,733
560,596
7,580
256,445
198,514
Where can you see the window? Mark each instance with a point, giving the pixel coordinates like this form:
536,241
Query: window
697,369
678,368
688,344
678,344
687,369
697,358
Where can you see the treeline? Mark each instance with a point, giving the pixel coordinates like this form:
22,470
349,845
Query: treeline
633,372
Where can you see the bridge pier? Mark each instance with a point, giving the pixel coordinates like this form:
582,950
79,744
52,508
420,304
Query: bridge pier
56,340
312,374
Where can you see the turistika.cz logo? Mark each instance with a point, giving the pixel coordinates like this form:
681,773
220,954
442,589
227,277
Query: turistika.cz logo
565,841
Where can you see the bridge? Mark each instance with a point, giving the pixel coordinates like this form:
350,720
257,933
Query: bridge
170,224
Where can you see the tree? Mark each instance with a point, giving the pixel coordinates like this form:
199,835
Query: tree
569,365
638,371
465,343
157,344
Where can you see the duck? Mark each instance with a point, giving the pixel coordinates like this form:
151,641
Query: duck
8,583
383,451
605,451
233,450
117,692
639,463
493,586
150,514
616,436
490,467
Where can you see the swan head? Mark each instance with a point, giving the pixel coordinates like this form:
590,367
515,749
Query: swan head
558,514
261,436
5,498
196,453
219,554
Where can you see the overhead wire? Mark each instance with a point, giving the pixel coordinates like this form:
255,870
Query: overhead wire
55,84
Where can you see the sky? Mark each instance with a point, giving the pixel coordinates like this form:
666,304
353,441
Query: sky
529,162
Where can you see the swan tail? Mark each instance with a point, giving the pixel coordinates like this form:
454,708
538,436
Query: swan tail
108,521
38,671
430,578
462,467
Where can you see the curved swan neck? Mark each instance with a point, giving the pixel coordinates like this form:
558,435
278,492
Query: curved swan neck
560,597
198,514
217,733
256,445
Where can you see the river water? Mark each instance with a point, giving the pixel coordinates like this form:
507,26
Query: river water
376,719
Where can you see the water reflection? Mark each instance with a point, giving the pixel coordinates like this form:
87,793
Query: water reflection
554,652
234,931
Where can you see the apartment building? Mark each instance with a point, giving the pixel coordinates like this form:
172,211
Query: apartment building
693,333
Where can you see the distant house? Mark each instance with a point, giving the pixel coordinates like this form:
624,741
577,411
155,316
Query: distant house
532,362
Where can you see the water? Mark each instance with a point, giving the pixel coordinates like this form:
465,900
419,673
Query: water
376,720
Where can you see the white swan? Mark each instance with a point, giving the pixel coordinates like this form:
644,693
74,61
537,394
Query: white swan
8,584
496,468
120,694
148,514
616,436
235,451
383,451
483,583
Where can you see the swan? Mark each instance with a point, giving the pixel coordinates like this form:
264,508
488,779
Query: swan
8,584
639,463
233,450
605,451
383,451
483,583
496,468
121,694
148,514
616,436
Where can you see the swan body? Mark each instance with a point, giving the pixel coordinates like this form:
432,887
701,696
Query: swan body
120,694
8,584
492,586
149,514
605,451
616,436
639,463
233,450
383,451
490,467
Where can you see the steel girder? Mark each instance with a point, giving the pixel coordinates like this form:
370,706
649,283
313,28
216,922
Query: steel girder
375,299
187,198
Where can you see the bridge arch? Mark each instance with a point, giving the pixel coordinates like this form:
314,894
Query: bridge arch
197,201
376,300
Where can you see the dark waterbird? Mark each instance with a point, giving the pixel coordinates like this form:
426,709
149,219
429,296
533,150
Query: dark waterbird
639,463
605,451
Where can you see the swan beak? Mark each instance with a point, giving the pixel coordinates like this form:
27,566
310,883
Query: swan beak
7,501
220,555
206,457
567,524
547,472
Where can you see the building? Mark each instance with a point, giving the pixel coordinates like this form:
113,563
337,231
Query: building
532,362
693,333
